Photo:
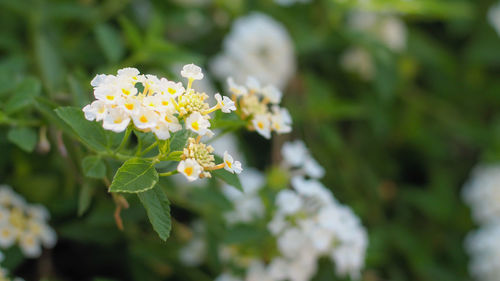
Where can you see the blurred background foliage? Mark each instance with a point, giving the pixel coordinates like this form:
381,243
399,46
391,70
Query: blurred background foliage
397,149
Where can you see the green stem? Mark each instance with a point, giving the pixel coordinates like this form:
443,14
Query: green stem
148,148
124,140
168,173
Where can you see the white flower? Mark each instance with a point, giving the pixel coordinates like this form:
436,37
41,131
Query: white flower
291,242
262,125
227,277
230,165
288,202
358,60
145,119
130,105
116,120
98,80
29,244
281,120
482,193
313,168
484,251
4,215
226,104
197,123
277,224
257,46
253,84
236,89
194,252
8,235
190,169
393,33
294,153
257,272
173,89
272,93
192,71
128,72
38,212
278,268
95,111
494,17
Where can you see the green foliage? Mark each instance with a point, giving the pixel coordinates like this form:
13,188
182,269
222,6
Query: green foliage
25,138
158,209
23,95
94,167
136,175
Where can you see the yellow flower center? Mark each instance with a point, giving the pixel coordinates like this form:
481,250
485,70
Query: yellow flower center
126,92
110,97
129,106
5,232
195,125
143,119
165,103
188,171
118,120
229,164
172,91
260,125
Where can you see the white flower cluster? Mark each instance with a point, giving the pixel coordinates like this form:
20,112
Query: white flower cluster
484,249
159,106
388,29
24,224
152,103
257,46
494,17
308,224
260,105
482,193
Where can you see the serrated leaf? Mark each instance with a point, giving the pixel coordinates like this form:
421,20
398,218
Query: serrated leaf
110,42
91,133
157,206
229,178
25,138
23,95
94,167
84,199
134,176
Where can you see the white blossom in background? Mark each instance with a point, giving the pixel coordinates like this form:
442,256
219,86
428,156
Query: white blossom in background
358,60
247,205
257,46
260,106
297,157
291,2
494,17
193,253
307,222
482,193
388,29
24,225
484,252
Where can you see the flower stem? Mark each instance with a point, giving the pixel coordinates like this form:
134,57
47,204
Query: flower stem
168,173
148,148
125,139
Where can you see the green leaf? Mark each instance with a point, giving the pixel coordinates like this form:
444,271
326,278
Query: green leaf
174,156
110,42
84,199
94,167
91,133
158,209
49,62
25,138
229,178
23,95
179,140
134,176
